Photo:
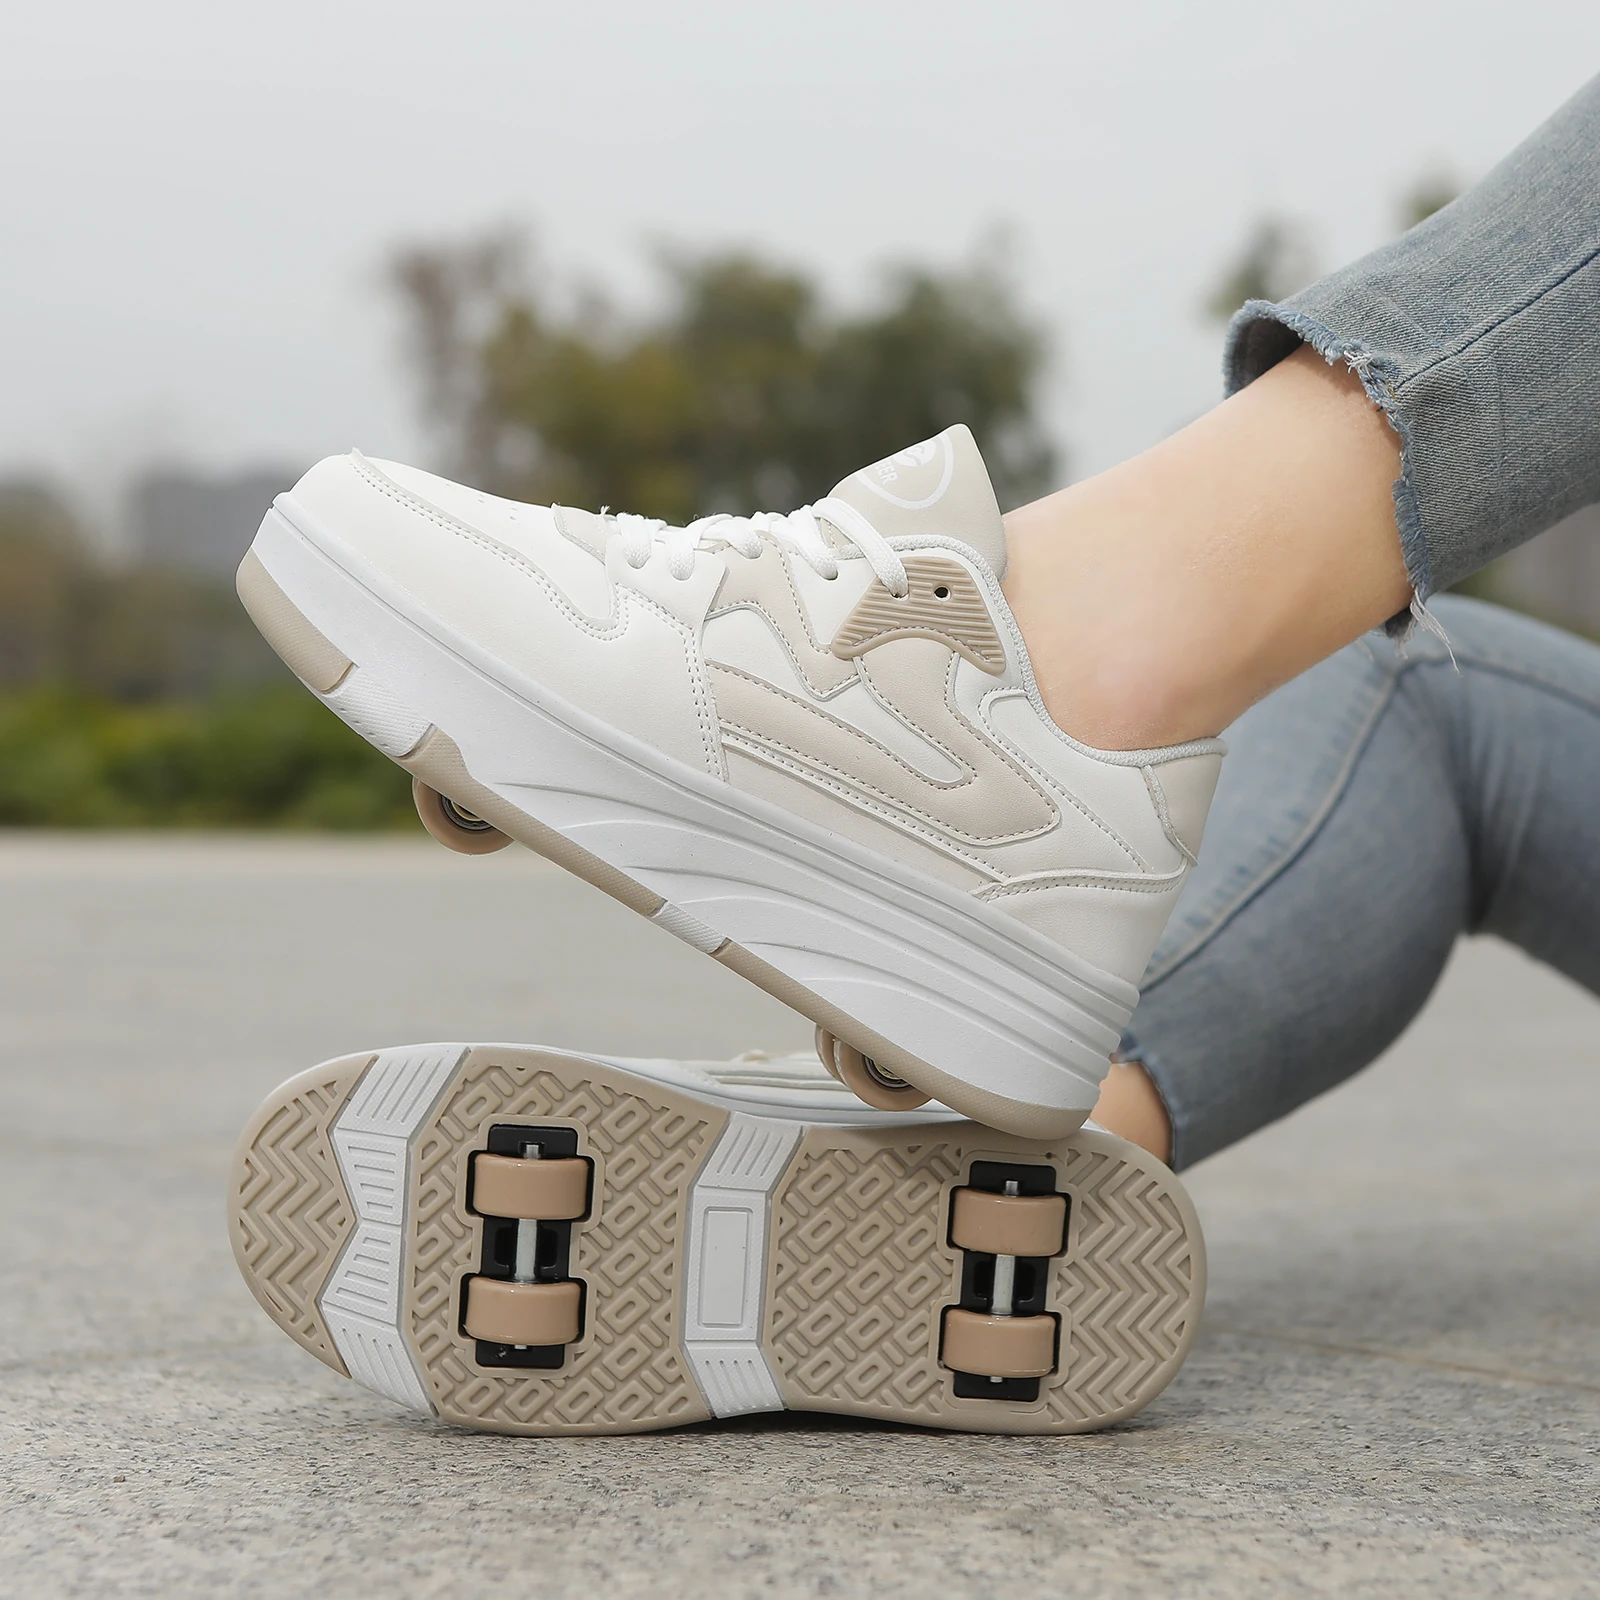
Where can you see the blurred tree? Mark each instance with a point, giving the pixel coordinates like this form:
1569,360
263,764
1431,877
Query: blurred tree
1276,258
138,635
746,393
454,296
43,574
1429,193
1274,261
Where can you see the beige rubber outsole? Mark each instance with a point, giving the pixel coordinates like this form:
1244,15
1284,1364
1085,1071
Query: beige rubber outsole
858,1267
438,763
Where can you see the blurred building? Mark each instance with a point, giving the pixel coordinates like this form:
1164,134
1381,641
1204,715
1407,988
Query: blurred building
185,522
1557,575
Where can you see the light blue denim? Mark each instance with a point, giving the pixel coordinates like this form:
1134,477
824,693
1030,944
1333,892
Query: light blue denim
1478,333
1370,813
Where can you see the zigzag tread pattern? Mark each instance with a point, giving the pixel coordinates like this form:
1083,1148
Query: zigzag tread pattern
627,1372
862,1273
1131,1287
289,1214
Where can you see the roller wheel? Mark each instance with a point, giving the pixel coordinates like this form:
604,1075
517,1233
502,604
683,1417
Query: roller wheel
454,826
554,1190
865,1078
501,1312
998,1347
1008,1224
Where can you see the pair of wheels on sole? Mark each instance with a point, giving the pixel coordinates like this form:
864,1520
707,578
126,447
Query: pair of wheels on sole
465,831
997,1341
527,1309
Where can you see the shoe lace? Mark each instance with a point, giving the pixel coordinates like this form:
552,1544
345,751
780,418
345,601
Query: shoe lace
799,532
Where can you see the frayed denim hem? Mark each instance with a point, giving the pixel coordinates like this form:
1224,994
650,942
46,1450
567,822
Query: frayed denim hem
1247,355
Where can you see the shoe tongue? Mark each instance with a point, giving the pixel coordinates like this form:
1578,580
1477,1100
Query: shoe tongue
940,486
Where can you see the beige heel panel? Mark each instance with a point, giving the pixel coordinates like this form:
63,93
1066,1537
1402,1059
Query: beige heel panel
303,650
288,1211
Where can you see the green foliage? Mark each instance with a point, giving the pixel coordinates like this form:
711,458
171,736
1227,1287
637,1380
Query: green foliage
1432,192
1274,261
269,758
748,393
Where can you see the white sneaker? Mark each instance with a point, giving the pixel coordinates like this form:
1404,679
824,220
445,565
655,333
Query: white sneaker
535,1241
810,745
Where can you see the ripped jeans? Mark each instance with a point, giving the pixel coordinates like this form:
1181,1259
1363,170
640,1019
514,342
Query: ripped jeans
1369,813
1478,333
1386,802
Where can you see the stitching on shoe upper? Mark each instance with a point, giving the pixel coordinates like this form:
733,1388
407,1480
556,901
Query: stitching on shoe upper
756,750
850,729
1019,761
864,673
1022,756
613,625
783,636
860,786
1128,883
622,599
1158,798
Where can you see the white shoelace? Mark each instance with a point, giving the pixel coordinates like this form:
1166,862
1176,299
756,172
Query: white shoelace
799,532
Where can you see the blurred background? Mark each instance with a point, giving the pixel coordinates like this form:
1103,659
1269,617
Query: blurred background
670,259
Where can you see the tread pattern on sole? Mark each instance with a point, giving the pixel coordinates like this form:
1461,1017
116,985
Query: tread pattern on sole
862,1272
858,1271
1131,1286
289,1213
627,1372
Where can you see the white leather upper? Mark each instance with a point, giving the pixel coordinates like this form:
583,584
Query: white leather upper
527,595
910,747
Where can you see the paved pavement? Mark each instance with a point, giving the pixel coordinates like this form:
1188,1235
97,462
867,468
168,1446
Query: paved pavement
1396,1391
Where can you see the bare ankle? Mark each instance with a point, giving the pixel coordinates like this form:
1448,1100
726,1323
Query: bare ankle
1130,1107
1162,598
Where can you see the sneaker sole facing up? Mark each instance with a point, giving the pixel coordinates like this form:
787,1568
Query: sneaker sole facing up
941,990
675,1252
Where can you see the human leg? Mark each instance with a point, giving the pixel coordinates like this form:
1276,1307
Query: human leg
1270,532
813,746
1371,812
1213,550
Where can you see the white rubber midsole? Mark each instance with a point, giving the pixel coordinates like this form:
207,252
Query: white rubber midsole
950,980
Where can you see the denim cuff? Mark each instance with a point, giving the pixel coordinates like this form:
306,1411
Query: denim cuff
1478,334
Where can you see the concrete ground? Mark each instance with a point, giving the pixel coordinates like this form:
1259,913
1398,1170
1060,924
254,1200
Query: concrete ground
1396,1390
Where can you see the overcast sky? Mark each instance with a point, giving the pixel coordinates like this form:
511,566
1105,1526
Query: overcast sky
196,199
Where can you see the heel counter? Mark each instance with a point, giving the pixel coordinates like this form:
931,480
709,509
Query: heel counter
1182,790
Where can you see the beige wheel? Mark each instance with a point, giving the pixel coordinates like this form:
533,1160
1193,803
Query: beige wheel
865,1079
502,1312
998,1347
1008,1224
454,826
555,1190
